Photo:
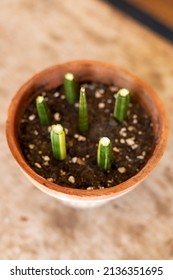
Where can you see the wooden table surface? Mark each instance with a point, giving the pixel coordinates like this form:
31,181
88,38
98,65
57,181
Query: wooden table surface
33,36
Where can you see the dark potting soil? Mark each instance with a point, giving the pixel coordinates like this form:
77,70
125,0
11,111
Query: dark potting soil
132,140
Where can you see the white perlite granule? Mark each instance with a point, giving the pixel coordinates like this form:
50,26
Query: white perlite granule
62,172
140,157
123,132
57,116
74,159
76,136
135,121
31,117
129,159
131,128
81,138
35,132
110,181
76,104
101,90
101,105
122,141
98,94
71,179
121,169
135,146
130,141
31,146
115,149
46,158
37,165
66,130
109,101
56,94
90,188
50,179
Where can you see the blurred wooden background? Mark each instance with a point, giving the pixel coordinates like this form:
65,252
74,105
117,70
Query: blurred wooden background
162,10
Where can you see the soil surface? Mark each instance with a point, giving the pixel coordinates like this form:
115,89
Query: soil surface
132,140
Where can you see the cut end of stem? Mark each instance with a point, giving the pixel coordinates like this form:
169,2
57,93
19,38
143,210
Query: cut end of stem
39,99
57,128
69,76
82,91
105,141
124,92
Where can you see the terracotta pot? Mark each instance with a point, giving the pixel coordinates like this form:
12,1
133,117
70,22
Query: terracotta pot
97,72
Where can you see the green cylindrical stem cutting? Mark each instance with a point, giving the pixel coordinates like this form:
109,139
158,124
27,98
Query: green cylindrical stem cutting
42,110
70,88
83,112
104,153
122,104
58,141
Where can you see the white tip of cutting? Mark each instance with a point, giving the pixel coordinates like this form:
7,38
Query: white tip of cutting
57,128
82,90
40,99
69,76
124,92
105,141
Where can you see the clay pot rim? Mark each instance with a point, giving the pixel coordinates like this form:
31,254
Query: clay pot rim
107,192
